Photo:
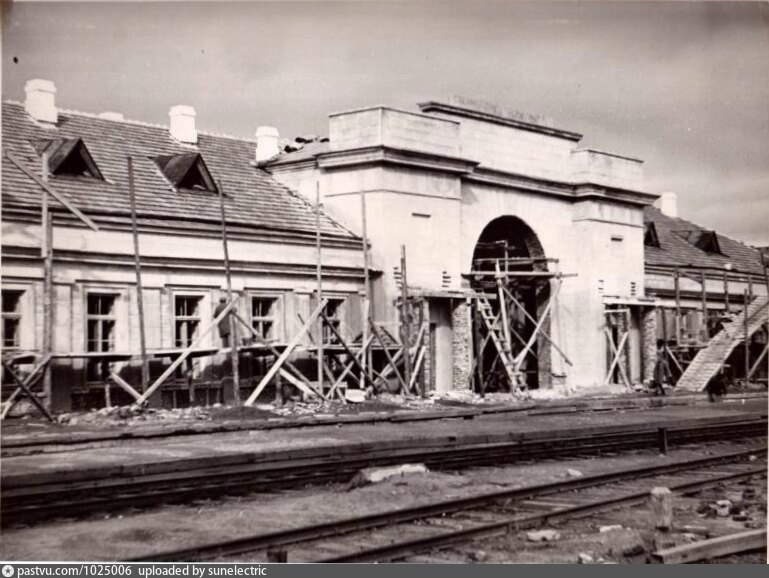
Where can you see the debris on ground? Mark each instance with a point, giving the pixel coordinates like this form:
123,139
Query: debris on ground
574,473
477,556
355,395
376,475
585,558
542,536
611,528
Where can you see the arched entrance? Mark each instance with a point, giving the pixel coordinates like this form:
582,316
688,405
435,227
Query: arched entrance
509,272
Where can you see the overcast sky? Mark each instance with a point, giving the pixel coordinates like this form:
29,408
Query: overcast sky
684,86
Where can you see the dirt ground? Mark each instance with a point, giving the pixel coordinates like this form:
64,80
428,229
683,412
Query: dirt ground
133,534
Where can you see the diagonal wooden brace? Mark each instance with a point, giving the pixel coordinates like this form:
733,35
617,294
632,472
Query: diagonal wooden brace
24,386
538,328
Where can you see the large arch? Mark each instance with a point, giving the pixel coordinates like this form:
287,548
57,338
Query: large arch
505,237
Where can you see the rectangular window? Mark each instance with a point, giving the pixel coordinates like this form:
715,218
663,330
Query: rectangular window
186,323
100,332
264,316
11,319
333,312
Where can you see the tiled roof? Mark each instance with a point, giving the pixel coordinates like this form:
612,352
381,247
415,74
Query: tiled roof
675,250
308,151
253,197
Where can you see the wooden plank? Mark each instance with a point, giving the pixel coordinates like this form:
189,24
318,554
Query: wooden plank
30,394
50,190
123,384
537,329
405,324
179,360
138,269
234,357
404,387
284,356
47,224
319,275
30,381
712,548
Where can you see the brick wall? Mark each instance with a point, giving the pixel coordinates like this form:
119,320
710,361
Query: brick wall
648,343
461,345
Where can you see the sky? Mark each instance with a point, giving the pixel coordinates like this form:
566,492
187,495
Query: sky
682,85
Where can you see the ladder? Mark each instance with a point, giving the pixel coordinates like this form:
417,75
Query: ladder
709,360
496,332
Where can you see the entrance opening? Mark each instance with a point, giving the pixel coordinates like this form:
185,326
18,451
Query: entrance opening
509,270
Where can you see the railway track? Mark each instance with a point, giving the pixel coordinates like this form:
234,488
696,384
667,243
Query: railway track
26,502
407,532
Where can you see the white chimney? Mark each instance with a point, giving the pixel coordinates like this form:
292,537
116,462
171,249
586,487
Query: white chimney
668,204
182,126
266,143
41,100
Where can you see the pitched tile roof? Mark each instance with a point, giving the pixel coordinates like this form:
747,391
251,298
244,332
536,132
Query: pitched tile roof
674,249
252,197
308,151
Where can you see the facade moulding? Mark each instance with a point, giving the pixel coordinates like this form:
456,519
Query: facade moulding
388,155
180,228
200,265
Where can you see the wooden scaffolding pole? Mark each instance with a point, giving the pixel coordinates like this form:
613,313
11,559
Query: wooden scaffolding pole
234,356
405,329
746,343
677,285
704,298
319,274
46,223
139,289
366,305
726,292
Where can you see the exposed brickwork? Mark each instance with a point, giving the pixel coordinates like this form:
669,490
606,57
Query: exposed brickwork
461,344
648,343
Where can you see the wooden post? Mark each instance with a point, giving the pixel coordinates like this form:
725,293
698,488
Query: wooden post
726,292
234,357
138,267
750,287
405,329
677,285
366,306
746,343
662,440
661,501
319,274
47,254
704,300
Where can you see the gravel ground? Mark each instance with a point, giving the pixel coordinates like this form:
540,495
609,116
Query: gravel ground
141,533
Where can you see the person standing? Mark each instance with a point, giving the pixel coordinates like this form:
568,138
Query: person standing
224,324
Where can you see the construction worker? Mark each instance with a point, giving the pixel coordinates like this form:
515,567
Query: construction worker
662,375
224,324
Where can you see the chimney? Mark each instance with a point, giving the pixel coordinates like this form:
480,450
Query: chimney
40,103
266,143
182,126
668,204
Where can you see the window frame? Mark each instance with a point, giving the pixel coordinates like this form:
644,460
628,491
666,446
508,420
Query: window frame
97,365
17,316
277,314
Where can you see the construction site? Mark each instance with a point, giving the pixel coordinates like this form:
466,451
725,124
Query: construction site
414,338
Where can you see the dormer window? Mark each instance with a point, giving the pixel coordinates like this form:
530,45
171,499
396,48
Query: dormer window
186,171
68,156
650,235
706,241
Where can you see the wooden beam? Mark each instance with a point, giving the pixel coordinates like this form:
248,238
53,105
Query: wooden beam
319,276
545,335
22,383
51,191
123,384
234,357
404,384
30,381
405,324
47,224
545,313
712,548
758,362
284,356
179,360
138,269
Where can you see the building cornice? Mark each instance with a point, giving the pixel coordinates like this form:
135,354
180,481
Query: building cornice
381,154
455,110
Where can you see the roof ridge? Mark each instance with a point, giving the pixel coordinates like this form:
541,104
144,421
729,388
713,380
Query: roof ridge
145,123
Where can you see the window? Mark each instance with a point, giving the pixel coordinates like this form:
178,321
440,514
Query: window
706,241
333,313
187,172
68,156
100,333
11,319
264,316
186,324
650,235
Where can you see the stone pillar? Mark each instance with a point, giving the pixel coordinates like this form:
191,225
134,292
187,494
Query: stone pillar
648,343
461,345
